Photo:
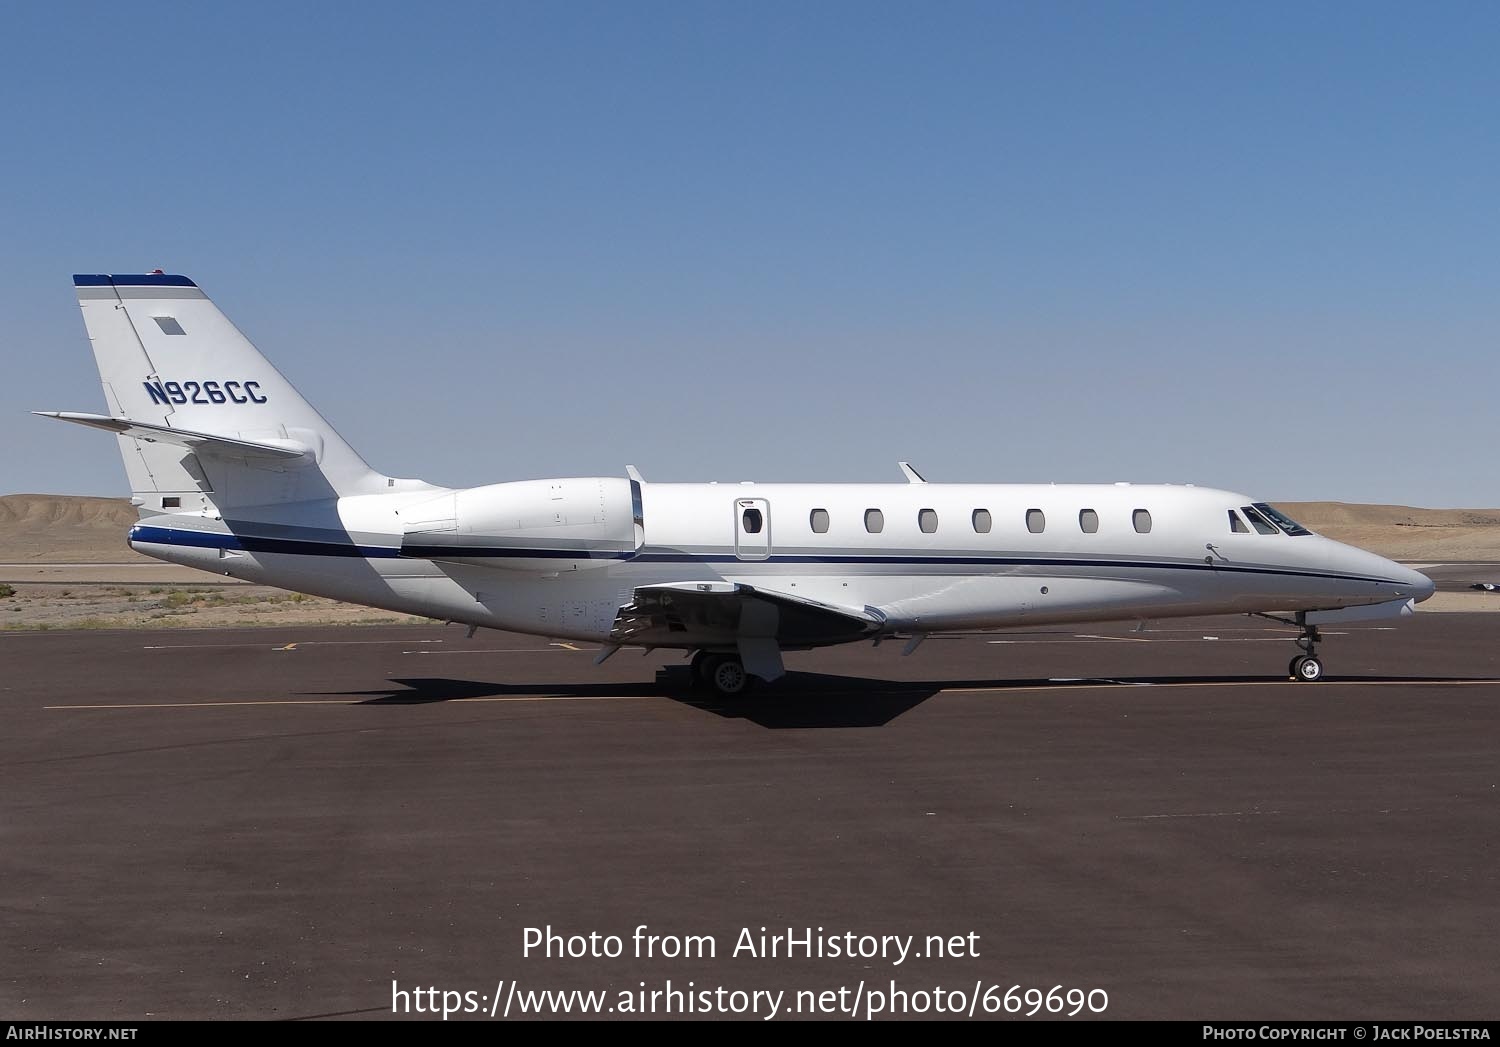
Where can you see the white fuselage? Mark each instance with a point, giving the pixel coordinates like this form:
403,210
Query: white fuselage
562,557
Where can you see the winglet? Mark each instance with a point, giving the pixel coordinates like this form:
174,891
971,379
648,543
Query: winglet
912,476
635,474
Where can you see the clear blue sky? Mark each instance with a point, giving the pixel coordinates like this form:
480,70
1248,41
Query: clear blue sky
1254,245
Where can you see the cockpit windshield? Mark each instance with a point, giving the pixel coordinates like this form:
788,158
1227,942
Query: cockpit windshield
1257,521
1282,520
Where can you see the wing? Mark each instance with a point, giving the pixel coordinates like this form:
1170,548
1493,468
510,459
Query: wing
759,623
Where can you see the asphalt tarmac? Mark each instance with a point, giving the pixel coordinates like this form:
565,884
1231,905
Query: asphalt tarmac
282,823
1461,576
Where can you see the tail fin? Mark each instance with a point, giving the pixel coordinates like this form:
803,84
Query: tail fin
197,400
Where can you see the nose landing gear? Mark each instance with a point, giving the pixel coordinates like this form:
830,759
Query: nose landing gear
1306,667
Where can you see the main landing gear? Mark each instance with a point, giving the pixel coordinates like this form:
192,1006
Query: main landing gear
723,673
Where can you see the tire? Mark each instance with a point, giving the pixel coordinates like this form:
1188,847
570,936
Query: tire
700,667
1308,670
728,678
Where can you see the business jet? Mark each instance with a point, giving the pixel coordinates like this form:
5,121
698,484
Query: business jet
234,473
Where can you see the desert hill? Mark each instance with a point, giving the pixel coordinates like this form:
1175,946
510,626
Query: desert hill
47,528
1402,532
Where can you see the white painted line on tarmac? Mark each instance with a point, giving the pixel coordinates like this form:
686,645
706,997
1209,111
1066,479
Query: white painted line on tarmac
1099,684
395,699
1163,639
998,688
496,650
204,705
1203,814
299,643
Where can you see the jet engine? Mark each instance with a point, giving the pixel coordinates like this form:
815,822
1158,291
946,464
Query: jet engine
529,525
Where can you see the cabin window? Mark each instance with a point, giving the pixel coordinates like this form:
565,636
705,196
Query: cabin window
168,325
927,521
874,521
818,520
1236,525
752,521
1141,520
1088,521
1036,521
982,521
171,503
1257,521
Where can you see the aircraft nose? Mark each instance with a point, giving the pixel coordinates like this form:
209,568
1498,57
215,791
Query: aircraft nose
1407,583
1403,582
1422,586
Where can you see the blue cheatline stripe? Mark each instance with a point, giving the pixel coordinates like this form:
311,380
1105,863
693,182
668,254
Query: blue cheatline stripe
259,543
304,547
1008,561
131,280
468,552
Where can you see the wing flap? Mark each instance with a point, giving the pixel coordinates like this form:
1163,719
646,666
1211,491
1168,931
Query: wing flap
202,443
726,613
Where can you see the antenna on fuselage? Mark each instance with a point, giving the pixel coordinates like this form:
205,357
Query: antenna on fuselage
912,476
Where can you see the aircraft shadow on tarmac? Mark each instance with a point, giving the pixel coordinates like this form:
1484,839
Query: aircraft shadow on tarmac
799,700
815,700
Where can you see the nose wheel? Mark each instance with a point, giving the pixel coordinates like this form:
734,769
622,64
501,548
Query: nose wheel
1305,668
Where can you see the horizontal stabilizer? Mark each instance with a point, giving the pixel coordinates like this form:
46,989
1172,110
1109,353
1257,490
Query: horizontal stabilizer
202,443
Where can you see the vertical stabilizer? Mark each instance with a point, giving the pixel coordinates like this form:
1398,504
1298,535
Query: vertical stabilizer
169,358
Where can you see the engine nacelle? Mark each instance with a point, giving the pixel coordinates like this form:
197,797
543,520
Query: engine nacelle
529,525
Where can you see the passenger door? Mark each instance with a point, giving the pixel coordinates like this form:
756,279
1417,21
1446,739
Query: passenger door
752,528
